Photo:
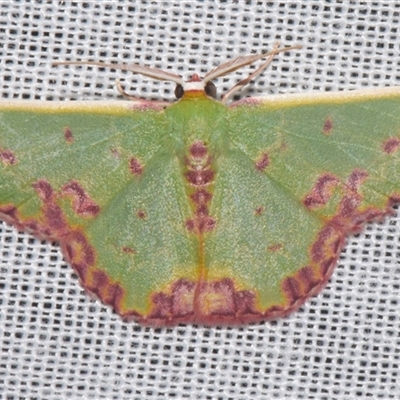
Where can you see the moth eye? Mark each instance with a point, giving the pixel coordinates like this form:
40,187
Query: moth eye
211,90
179,91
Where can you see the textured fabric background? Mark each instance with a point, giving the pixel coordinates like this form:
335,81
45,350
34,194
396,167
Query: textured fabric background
57,343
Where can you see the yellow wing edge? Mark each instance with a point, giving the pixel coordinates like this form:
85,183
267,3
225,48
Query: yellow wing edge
313,98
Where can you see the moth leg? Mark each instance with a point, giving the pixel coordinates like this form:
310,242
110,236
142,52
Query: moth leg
128,96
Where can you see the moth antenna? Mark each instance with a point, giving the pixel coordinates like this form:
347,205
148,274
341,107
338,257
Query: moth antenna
242,61
154,73
257,72
245,81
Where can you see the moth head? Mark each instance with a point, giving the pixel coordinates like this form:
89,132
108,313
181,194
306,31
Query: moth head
196,84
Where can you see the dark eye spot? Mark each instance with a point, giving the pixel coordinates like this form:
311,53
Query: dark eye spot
179,91
211,90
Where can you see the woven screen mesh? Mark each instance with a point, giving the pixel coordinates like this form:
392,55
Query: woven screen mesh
57,343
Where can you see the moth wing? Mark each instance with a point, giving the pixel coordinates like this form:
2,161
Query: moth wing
301,173
104,181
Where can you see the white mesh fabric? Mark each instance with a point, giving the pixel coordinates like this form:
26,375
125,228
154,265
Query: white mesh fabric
57,343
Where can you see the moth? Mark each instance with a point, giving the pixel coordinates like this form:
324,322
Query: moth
198,211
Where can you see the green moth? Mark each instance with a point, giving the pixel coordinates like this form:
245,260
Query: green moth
197,211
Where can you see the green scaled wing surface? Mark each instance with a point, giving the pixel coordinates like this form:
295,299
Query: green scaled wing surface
201,212
106,182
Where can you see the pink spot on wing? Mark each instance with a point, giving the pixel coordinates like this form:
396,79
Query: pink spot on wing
190,225
7,157
262,162
53,223
135,166
328,126
259,210
82,204
200,177
394,199
201,196
328,244
275,247
79,253
348,205
308,278
391,145
291,288
128,250
298,287
321,191
115,152
9,213
351,198
141,214
205,224
68,136
247,101
200,224
356,178
162,306
198,150
99,283
147,105
44,190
